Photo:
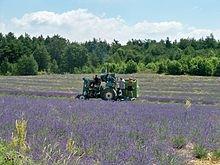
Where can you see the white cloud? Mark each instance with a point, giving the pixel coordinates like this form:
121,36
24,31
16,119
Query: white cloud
2,27
77,25
81,25
161,27
156,30
192,32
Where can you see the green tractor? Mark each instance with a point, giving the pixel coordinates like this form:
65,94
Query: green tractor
106,88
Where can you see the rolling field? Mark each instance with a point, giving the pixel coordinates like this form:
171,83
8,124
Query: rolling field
139,132
153,88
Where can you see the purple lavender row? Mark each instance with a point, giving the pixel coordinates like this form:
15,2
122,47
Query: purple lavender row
180,99
111,132
39,93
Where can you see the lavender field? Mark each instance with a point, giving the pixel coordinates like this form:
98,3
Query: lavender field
153,88
138,132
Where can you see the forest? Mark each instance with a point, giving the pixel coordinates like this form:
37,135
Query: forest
26,55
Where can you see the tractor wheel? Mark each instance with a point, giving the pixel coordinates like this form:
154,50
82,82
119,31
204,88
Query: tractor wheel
108,94
81,97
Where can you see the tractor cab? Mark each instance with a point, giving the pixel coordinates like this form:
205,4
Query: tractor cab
91,89
109,79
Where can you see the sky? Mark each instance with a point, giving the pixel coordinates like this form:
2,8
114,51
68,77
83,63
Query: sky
82,20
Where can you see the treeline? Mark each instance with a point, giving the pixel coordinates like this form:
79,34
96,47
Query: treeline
24,55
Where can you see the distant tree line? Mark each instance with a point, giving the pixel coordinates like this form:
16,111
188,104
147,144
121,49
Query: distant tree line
24,55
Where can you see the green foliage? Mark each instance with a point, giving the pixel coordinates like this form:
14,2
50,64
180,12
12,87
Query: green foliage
9,156
165,159
87,69
27,66
93,60
217,70
174,54
6,67
131,67
18,139
179,142
72,148
132,55
174,68
54,67
141,67
216,154
157,49
58,55
200,152
42,57
185,63
75,56
55,47
100,48
190,51
201,67
138,139
109,67
162,67
152,66
184,43
148,58
168,43
210,42
121,68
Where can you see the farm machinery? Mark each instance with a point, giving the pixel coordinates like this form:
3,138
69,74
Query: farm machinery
106,87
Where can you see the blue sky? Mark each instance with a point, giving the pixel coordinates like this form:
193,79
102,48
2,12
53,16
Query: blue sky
203,15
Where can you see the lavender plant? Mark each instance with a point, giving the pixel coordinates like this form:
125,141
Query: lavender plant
107,132
179,142
200,151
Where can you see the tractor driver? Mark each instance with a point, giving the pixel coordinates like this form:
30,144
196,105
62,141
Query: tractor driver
121,85
94,86
130,88
110,79
97,80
